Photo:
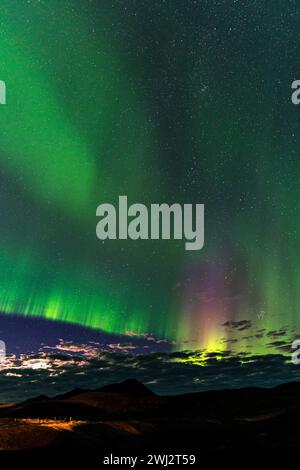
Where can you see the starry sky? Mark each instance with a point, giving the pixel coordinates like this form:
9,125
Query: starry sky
163,101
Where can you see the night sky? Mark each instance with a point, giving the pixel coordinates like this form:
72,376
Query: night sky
162,101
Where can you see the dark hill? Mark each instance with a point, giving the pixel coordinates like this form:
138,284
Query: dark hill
130,386
128,419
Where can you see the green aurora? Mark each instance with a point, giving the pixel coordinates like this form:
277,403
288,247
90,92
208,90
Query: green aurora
167,103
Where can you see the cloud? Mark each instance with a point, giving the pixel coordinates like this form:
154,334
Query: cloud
281,345
276,333
238,325
166,373
147,337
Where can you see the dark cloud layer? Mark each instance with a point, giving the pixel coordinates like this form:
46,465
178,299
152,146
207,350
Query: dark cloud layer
165,373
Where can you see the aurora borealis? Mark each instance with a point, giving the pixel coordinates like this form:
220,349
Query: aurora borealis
170,101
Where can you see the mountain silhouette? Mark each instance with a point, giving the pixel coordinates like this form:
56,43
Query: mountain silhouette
129,386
